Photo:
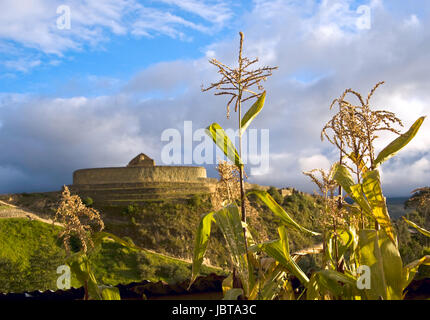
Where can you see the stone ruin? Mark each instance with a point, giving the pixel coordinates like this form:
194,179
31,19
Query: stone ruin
141,180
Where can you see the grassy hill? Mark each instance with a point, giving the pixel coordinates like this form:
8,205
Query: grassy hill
30,253
164,226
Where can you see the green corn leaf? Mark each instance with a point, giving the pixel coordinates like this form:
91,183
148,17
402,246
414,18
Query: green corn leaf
343,177
411,269
280,212
413,225
233,294
221,139
98,237
229,222
109,293
369,254
345,240
393,266
397,144
373,191
331,282
201,244
253,111
79,266
358,197
279,250
227,283
270,284
377,251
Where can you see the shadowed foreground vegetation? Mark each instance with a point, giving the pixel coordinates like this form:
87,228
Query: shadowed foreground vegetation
30,253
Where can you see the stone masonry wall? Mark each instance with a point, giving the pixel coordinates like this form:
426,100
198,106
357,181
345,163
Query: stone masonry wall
138,175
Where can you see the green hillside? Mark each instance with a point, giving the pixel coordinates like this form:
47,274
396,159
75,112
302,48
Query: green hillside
30,253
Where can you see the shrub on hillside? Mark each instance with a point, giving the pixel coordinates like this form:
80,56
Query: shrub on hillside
275,195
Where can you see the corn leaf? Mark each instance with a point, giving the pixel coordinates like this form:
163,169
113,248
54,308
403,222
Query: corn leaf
331,282
343,177
233,294
270,284
227,284
345,240
411,269
229,222
98,237
413,225
201,244
221,139
358,162
397,144
279,250
393,266
373,191
369,254
253,111
110,293
377,251
79,266
280,212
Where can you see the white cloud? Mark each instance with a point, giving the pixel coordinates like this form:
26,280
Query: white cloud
88,131
33,23
317,161
22,64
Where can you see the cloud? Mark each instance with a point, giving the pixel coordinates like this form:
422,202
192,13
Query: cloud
319,51
317,161
32,27
21,64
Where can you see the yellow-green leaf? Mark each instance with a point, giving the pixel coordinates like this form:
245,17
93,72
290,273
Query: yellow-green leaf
343,177
110,293
201,244
413,225
411,269
279,250
280,212
369,254
373,191
233,294
359,163
331,282
221,139
378,252
253,111
229,222
397,144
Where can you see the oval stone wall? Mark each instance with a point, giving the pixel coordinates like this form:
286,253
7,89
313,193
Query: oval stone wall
138,174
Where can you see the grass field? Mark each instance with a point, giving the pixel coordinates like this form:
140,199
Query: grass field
30,253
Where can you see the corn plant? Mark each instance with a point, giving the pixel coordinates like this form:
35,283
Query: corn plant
354,130
86,225
251,277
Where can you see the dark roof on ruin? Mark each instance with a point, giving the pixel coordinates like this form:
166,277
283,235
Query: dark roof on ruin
141,160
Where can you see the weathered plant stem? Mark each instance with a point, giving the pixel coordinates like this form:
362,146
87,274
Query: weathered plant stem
242,184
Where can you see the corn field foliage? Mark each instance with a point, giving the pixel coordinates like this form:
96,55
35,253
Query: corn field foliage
361,259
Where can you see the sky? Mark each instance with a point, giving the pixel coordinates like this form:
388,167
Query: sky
100,92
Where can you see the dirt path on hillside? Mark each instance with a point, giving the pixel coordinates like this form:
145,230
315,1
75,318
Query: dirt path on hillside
17,212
